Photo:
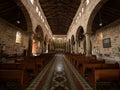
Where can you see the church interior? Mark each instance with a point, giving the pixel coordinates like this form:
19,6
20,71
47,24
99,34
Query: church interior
59,44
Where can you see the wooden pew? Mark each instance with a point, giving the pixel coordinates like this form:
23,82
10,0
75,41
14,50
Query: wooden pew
15,75
14,72
89,66
19,71
89,62
75,59
30,66
11,66
35,64
112,75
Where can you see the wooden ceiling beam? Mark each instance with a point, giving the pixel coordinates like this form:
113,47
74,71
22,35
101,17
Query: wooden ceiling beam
60,13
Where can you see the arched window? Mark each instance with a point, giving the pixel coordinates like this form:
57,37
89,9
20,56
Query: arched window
18,37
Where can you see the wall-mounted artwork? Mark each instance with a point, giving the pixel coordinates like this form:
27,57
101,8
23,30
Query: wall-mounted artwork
106,43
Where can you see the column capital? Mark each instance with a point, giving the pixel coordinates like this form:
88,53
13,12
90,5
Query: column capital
88,45
30,32
88,33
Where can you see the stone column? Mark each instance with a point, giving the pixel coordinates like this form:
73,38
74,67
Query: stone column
67,47
70,47
46,47
52,46
49,46
87,35
76,47
29,51
43,46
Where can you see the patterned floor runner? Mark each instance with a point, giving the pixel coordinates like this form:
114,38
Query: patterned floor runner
59,75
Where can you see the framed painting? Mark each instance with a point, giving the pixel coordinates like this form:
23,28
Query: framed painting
106,43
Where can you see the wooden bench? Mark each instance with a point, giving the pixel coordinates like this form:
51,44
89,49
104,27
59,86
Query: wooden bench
15,75
35,64
78,60
90,66
80,65
111,75
30,66
11,66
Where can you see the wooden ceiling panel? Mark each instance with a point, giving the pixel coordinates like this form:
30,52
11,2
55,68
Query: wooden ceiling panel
60,13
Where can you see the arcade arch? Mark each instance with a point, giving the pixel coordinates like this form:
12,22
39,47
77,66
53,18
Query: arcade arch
79,39
38,38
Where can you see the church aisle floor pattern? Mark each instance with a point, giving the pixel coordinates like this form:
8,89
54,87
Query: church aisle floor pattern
59,74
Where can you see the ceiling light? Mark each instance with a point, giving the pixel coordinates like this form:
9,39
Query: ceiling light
100,24
39,13
87,2
100,19
37,9
32,1
76,20
46,26
41,17
18,21
43,20
82,10
80,14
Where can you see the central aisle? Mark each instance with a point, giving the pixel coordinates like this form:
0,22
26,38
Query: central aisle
59,74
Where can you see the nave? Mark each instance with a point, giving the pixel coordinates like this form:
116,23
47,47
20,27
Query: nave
32,32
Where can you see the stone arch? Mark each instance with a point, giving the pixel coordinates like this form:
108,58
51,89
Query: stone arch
17,15
94,10
93,14
38,38
79,34
39,33
26,14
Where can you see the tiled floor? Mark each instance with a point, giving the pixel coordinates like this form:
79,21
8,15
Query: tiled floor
59,74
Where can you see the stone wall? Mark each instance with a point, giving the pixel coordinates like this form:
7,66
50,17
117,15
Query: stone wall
8,38
111,31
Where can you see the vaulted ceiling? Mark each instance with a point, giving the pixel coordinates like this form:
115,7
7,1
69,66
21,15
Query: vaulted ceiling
60,14
12,13
109,12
